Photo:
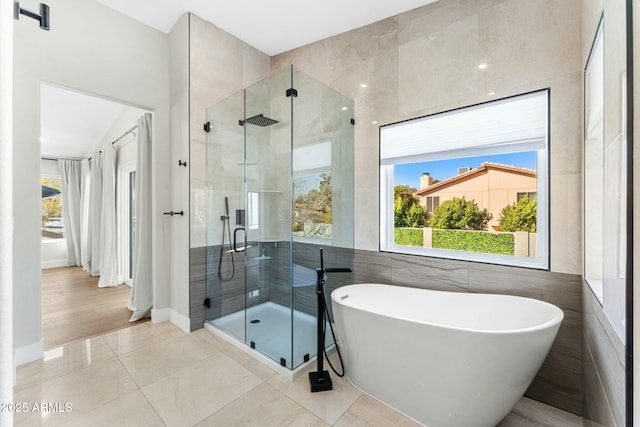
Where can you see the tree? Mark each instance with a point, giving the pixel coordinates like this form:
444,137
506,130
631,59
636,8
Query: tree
405,193
460,214
315,205
407,211
51,207
520,216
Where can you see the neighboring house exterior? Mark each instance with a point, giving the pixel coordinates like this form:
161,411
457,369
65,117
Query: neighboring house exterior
492,185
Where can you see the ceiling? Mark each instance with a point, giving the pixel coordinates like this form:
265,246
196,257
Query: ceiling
71,123
273,26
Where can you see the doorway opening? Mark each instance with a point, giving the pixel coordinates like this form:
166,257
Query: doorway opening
89,158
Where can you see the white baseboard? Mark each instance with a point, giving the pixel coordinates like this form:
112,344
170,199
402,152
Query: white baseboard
56,263
28,353
169,314
159,315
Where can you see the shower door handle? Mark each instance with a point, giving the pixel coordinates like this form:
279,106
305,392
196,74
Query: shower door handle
235,240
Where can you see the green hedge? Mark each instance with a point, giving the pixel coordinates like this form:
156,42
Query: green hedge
473,241
408,236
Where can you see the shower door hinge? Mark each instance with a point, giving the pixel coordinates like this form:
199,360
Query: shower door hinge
292,92
207,127
207,302
353,121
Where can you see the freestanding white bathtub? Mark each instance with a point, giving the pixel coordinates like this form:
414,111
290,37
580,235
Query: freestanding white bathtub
445,359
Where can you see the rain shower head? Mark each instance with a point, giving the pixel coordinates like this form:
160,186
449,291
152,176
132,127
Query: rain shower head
259,120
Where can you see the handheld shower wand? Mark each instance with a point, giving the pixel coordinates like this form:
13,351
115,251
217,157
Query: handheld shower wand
225,225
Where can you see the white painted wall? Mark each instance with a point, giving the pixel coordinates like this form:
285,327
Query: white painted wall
179,98
7,371
95,50
53,252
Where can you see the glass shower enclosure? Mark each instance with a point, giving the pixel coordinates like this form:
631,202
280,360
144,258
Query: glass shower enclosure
279,188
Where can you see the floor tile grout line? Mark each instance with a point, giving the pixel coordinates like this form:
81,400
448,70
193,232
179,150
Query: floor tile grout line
184,368
66,374
350,406
296,403
229,403
172,373
101,405
152,406
146,345
84,368
97,335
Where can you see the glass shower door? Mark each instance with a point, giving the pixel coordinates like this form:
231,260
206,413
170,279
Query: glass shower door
225,196
322,182
267,127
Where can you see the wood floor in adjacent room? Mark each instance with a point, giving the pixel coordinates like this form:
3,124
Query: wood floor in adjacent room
74,307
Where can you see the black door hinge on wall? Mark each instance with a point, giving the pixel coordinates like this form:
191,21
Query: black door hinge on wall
207,127
207,302
291,92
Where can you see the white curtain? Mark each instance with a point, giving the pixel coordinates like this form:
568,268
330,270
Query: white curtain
71,182
85,250
95,216
108,239
141,298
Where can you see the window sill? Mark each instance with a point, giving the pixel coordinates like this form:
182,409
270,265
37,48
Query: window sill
453,255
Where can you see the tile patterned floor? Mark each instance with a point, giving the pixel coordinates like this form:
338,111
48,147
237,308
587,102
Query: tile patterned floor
156,375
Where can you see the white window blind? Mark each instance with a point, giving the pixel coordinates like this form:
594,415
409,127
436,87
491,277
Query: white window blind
312,157
510,125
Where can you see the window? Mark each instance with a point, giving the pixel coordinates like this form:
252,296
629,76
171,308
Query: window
52,209
529,195
312,192
432,203
312,206
594,176
126,221
453,184
132,222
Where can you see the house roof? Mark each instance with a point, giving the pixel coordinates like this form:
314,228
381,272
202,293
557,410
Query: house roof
484,168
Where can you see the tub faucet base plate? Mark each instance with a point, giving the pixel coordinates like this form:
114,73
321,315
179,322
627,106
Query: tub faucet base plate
320,381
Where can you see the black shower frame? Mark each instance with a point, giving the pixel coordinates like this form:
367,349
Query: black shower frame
629,297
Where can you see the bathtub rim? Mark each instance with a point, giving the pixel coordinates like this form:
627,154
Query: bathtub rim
554,321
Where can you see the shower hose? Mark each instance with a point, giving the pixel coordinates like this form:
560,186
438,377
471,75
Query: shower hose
324,332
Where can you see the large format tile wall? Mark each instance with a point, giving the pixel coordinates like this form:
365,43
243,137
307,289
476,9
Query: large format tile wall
426,61
220,65
603,366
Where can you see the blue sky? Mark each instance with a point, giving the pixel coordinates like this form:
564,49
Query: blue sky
409,174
